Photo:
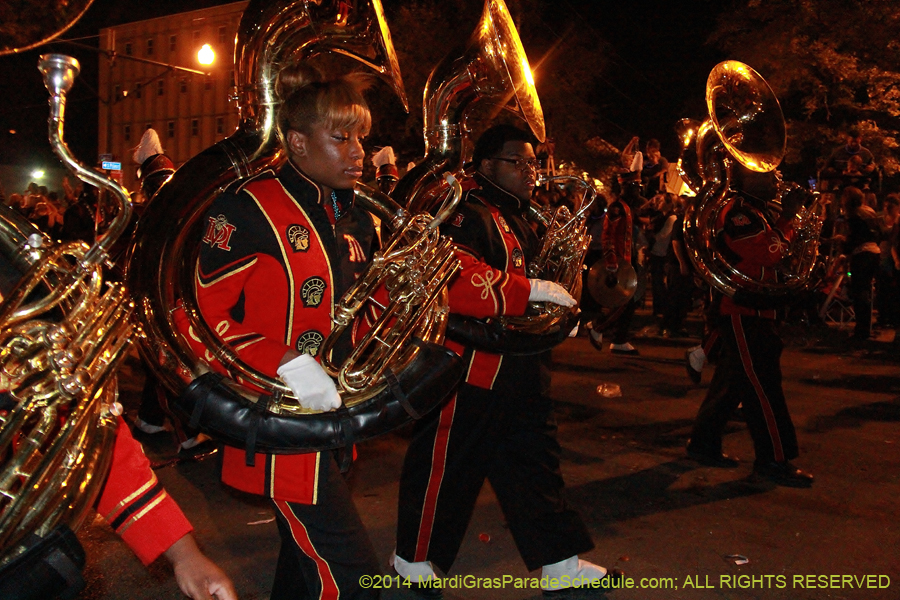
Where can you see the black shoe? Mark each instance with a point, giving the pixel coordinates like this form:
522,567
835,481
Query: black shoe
612,581
712,458
597,344
693,374
783,473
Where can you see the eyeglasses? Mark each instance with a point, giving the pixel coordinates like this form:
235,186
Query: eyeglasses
530,164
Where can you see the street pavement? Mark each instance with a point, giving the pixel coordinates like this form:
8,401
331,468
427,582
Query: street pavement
677,529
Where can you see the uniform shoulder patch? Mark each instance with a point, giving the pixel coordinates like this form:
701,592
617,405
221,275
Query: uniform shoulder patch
740,220
503,223
298,236
218,233
518,258
457,219
312,291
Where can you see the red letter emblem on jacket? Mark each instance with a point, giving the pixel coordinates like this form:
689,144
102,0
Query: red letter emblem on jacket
218,232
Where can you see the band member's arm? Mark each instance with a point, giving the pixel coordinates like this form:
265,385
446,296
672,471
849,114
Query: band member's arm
239,252
750,236
481,291
136,505
138,508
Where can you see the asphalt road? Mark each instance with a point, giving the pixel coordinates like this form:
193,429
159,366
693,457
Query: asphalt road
678,530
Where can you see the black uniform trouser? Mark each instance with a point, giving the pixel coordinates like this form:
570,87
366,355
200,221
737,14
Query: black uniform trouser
506,435
325,548
748,374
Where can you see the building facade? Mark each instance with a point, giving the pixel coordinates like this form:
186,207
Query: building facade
190,112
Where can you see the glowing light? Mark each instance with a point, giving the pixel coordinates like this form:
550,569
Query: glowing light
206,55
527,71
38,173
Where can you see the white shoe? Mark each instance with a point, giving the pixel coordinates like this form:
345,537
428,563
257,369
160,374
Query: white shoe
416,572
573,570
625,348
194,441
697,358
147,427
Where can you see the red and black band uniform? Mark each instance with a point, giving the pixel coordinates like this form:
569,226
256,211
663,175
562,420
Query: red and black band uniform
273,264
617,241
498,426
749,369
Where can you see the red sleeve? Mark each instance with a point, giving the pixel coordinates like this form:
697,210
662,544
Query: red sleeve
136,505
219,293
481,291
615,239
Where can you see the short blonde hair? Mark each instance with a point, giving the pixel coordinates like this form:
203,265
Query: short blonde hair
310,100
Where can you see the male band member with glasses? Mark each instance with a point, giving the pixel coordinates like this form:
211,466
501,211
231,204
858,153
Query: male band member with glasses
498,426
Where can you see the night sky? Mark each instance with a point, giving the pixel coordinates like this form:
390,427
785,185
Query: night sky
657,70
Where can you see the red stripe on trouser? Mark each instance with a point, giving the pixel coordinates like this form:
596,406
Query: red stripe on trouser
330,589
747,360
435,478
710,342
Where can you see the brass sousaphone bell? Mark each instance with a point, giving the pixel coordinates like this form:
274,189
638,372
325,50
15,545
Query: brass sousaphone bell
491,68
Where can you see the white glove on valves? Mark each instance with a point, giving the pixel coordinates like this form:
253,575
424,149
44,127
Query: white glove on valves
549,291
310,383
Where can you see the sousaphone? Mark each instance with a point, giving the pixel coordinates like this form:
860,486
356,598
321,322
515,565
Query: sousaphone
745,125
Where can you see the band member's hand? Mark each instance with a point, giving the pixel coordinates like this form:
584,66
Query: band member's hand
198,577
611,279
310,383
549,291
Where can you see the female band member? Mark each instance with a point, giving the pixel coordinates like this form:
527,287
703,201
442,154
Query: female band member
280,250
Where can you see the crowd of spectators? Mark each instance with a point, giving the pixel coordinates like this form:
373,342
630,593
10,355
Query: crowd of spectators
66,215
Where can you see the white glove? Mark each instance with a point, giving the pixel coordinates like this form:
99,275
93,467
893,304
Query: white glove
310,383
549,291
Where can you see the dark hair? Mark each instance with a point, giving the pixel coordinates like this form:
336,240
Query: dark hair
854,196
652,144
892,199
492,141
309,100
853,131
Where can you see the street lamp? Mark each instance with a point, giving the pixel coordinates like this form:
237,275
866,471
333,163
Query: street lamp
206,55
